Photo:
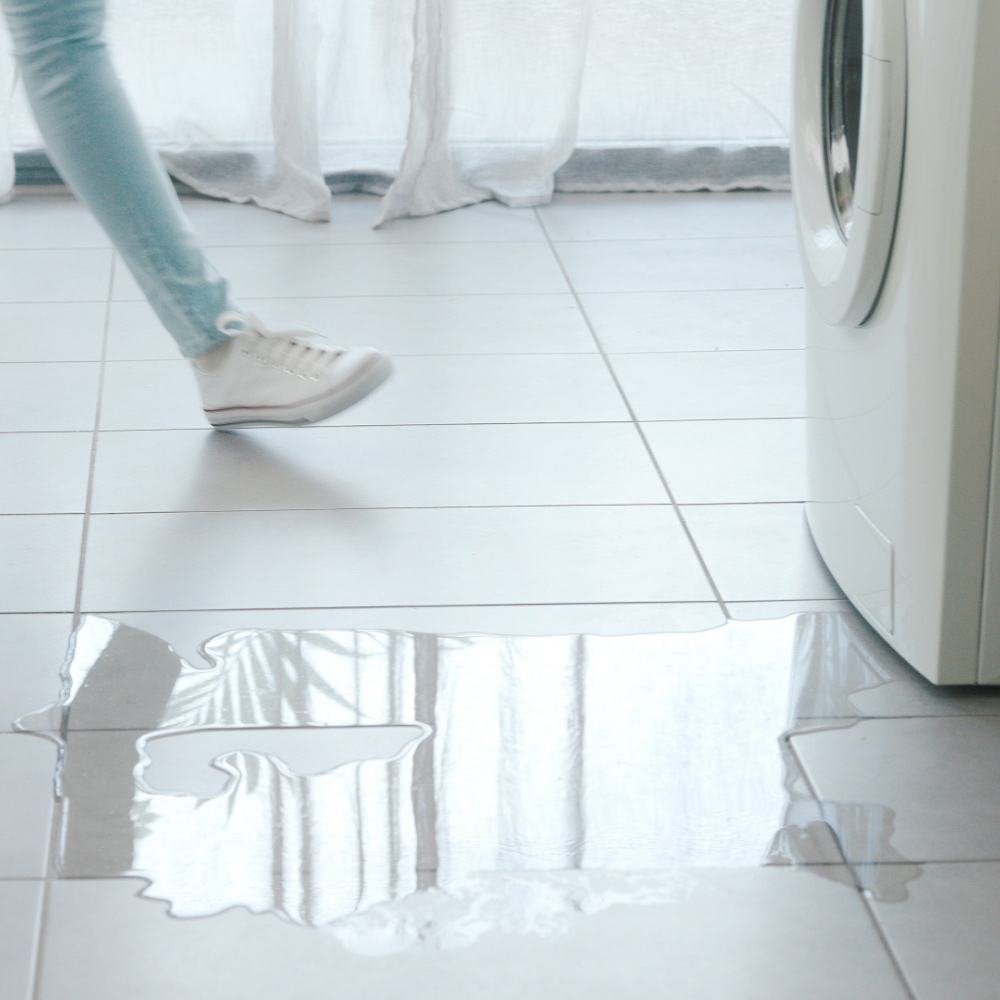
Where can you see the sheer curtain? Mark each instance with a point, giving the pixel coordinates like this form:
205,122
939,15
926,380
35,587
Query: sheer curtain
441,103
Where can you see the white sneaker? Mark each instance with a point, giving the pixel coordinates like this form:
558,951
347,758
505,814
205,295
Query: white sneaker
260,378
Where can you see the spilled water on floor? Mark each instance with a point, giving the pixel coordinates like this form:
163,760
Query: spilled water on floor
399,788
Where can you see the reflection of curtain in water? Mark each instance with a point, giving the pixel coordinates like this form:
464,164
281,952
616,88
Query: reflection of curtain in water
315,848
548,754
626,753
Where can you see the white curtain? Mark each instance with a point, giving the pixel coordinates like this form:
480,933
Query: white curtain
442,103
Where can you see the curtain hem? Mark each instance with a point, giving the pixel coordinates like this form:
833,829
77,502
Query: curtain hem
680,166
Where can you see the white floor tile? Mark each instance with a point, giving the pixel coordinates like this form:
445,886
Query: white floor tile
945,935
20,911
403,324
296,559
910,694
44,473
51,331
643,322
494,389
61,396
150,395
681,265
32,650
937,775
220,223
760,552
667,216
391,269
187,630
732,461
769,934
54,275
751,611
27,770
430,466
713,386
135,333
449,389
42,221
41,553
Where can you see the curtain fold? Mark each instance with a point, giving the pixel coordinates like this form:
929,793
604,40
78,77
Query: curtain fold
477,127
440,103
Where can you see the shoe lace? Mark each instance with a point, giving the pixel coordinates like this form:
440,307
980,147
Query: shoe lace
289,349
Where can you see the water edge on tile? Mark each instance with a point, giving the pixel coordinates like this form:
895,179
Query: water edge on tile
944,937
125,692
770,934
32,649
187,630
928,771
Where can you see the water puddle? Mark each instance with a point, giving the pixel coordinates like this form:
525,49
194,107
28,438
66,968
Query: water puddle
396,788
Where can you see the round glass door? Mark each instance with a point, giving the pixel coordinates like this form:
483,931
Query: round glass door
842,99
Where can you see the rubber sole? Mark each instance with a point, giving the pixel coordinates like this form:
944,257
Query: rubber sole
310,412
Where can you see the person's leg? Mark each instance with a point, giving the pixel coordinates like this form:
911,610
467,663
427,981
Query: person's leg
98,147
247,375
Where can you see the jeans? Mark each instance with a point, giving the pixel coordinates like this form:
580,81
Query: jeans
97,145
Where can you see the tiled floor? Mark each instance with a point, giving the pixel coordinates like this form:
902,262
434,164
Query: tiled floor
596,425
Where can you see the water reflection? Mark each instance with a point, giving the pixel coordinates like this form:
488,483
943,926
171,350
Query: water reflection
400,787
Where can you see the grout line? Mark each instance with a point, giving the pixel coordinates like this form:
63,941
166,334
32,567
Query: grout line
555,293
38,935
457,423
52,361
896,962
636,423
521,242
548,604
862,895
397,607
491,294
458,354
125,512
93,450
56,822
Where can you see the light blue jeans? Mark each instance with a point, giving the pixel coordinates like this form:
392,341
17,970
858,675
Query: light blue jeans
97,145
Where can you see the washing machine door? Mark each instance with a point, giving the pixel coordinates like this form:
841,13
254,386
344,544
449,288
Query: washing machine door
847,149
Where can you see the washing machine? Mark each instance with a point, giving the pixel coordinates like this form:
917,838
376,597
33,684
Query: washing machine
896,180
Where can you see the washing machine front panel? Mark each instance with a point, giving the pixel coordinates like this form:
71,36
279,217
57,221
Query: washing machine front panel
901,408
847,152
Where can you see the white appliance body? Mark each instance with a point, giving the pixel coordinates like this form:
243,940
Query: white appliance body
896,173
